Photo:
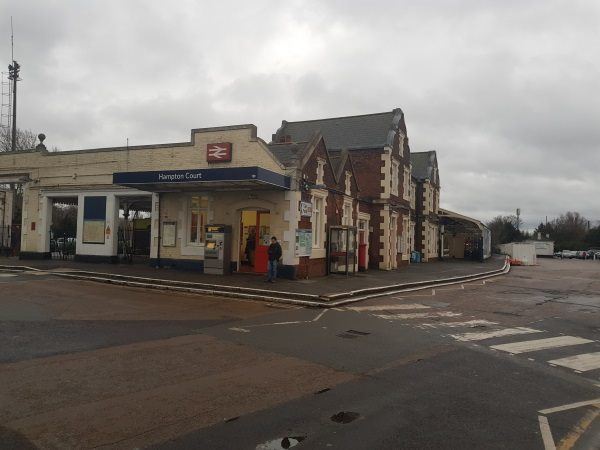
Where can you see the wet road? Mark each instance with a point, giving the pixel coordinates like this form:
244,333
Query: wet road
510,363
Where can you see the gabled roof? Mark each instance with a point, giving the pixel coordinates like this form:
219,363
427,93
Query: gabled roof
423,164
352,132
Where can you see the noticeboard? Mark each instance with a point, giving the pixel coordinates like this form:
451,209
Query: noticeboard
169,235
303,243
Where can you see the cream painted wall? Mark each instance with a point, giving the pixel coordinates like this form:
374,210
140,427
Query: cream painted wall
225,208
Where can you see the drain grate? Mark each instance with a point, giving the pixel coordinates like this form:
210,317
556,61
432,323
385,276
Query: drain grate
344,417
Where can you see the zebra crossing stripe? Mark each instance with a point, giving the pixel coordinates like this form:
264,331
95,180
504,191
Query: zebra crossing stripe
389,307
541,344
583,362
493,334
467,324
416,315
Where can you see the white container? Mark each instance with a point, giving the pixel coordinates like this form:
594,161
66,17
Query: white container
522,252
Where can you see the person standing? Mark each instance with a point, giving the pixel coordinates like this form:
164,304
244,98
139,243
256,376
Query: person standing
274,253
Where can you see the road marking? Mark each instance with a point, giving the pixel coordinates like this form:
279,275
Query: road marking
556,409
569,441
541,344
583,362
467,324
7,275
416,315
241,330
493,334
546,433
389,307
320,315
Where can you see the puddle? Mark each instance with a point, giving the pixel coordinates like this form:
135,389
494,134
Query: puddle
277,444
344,417
322,391
359,333
347,336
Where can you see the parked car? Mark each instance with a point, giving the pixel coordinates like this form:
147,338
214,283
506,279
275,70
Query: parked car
568,254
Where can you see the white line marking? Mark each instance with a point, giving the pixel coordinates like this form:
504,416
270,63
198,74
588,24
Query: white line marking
546,433
582,363
241,330
541,344
416,315
7,275
493,334
389,307
277,323
595,401
467,324
320,315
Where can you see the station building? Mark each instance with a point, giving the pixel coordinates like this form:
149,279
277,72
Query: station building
341,194
225,175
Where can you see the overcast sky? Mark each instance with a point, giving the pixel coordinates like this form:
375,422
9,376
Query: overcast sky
507,92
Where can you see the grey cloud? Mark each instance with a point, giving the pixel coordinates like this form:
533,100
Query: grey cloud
506,92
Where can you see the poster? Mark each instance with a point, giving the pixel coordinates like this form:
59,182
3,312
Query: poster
303,243
93,231
306,209
169,236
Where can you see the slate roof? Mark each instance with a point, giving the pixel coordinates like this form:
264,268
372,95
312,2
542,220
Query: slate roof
288,153
423,164
364,131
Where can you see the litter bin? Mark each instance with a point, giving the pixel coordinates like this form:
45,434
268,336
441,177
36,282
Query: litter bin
415,257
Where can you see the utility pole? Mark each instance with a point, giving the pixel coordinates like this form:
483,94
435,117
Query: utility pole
518,215
13,74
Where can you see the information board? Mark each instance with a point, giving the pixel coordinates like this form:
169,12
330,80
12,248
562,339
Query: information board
303,243
169,237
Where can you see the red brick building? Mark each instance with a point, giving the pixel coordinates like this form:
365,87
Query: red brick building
372,150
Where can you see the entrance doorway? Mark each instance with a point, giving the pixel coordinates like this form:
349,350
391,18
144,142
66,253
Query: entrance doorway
255,238
63,229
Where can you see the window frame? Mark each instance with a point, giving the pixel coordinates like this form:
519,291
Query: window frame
203,212
318,225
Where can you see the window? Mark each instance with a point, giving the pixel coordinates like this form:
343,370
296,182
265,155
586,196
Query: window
407,184
395,177
347,218
348,176
198,209
320,171
317,221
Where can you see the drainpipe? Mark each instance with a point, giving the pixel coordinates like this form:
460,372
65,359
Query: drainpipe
159,235
2,226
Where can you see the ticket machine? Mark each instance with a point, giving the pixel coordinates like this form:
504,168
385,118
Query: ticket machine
217,249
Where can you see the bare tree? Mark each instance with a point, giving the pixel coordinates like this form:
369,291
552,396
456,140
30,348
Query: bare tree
26,140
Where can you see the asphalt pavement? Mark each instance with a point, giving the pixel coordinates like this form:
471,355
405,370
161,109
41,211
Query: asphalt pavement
511,362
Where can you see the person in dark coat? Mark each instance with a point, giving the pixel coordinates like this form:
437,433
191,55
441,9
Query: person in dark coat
274,253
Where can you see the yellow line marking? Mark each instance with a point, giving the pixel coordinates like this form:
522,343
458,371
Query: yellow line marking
569,441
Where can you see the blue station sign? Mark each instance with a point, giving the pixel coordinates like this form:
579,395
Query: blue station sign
230,174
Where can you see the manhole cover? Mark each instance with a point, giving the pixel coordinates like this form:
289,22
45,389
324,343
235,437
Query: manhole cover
345,417
279,443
